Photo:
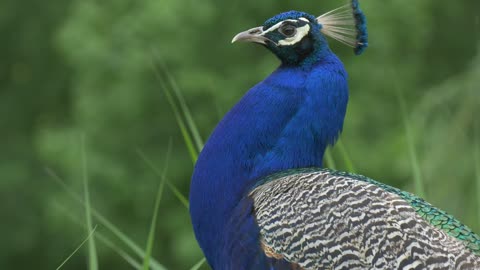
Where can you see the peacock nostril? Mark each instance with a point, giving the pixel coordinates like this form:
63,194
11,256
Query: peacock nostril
254,31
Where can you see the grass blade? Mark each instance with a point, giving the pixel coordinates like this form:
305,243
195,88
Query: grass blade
186,111
417,176
123,254
105,222
346,158
172,187
199,264
329,162
92,250
186,136
151,235
181,124
78,248
178,194
176,111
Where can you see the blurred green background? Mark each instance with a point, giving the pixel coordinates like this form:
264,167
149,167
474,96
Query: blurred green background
77,67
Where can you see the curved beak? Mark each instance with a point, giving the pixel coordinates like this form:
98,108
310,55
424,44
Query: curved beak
252,35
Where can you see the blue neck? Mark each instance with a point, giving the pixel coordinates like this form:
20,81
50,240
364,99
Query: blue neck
284,122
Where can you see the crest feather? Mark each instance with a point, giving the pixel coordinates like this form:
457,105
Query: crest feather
348,25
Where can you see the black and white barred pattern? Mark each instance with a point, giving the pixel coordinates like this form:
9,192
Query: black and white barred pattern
323,221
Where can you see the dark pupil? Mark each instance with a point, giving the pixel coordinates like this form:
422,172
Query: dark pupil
288,30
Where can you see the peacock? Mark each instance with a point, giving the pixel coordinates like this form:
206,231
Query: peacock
260,197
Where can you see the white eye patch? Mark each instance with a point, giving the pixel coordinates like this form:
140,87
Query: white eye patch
276,26
301,33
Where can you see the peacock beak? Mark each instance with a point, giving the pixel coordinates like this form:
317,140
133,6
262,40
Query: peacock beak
252,35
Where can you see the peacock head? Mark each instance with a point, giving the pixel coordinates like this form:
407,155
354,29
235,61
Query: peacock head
296,36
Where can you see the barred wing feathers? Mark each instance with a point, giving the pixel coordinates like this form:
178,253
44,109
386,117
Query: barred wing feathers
322,219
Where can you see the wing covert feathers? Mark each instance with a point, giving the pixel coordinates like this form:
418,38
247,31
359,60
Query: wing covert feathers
331,220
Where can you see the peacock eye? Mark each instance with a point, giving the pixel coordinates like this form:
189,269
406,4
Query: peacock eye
288,30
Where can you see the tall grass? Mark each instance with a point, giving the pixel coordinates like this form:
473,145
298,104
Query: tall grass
342,155
182,114
194,145
123,237
329,161
189,131
345,156
151,235
92,250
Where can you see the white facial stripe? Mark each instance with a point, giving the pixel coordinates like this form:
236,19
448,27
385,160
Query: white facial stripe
276,26
304,19
301,33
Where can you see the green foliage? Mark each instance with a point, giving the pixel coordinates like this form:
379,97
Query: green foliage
89,67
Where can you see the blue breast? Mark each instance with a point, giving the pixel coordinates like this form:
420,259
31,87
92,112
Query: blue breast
284,122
